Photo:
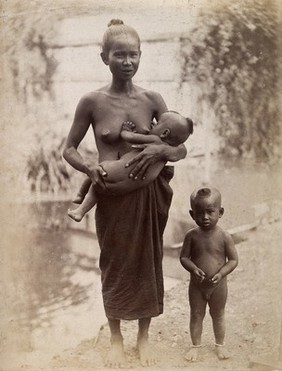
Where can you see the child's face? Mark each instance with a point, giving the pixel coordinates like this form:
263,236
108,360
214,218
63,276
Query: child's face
206,212
124,56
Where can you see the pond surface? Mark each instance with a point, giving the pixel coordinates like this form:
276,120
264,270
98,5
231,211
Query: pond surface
51,280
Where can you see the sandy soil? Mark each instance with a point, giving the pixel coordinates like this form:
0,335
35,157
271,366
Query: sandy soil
253,318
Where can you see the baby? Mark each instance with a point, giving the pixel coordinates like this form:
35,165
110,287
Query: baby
209,254
172,128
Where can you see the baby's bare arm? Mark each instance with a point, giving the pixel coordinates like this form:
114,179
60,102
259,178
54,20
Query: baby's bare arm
136,138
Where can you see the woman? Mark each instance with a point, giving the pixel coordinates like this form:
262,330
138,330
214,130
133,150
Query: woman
129,227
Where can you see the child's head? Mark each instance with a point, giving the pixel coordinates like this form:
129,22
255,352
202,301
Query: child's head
117,29
206,207
173,128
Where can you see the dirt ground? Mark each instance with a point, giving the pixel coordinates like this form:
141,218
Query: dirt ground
253,318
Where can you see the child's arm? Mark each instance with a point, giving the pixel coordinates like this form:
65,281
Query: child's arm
137,138
232,259
185,258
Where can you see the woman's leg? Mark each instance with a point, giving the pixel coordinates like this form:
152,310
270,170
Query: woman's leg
146,354
116,357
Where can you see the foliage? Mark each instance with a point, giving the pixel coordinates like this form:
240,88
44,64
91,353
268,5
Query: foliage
31,64
46,171
232,54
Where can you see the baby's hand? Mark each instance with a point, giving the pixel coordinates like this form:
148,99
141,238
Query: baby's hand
129,126
199,274
216,278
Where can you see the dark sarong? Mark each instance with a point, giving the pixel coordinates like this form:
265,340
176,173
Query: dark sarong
130,234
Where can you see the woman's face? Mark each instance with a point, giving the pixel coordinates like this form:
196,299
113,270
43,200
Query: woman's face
124,56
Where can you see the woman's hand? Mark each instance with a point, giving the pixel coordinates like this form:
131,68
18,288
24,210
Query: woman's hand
96,173
149,155
152,153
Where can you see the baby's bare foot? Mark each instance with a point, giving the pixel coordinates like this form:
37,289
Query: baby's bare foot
192,355
116,357
129,126
221,351
75,215
146,353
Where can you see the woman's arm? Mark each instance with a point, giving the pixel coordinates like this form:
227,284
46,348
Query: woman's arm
152,153
81,123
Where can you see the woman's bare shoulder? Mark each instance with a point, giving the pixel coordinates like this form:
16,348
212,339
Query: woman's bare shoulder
93,97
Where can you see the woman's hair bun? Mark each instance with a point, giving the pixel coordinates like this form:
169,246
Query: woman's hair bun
115,22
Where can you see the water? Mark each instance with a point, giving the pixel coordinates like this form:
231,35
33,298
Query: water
52,285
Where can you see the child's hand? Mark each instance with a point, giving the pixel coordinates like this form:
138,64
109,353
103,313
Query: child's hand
216,278
199,274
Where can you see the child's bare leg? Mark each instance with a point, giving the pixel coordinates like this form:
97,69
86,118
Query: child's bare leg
146,354
84,188
197,314
116,356
89,201
217,306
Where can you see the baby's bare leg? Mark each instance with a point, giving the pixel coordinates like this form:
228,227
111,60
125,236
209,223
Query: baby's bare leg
217,311
197,313
116,356
88,203
146,353
117,180
84,188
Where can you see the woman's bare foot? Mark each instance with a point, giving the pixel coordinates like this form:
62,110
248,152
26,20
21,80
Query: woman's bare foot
116,356
75,215
192,355
221,351
146,354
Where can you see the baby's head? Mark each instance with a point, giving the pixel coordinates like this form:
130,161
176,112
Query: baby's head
173,128
206,207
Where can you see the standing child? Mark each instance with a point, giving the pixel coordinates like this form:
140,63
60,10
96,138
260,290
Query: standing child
209,254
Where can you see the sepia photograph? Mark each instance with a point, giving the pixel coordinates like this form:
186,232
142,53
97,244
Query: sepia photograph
141,185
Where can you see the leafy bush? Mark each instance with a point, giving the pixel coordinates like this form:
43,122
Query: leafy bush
232,54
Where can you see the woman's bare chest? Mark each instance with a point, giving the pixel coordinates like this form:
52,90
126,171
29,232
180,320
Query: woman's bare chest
110,116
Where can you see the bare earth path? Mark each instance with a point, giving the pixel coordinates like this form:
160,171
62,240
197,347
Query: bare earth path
253,317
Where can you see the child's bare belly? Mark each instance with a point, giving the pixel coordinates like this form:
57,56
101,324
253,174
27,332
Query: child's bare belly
209,264
117,180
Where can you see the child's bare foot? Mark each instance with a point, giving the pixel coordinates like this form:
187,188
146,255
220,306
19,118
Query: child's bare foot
192,355
221,351
146,354
116,357
75,215
129,126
